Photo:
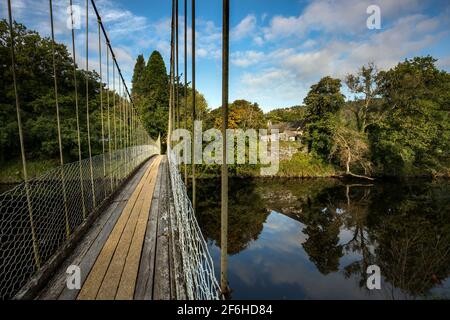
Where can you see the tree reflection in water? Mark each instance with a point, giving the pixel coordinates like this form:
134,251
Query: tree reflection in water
246,213
403,227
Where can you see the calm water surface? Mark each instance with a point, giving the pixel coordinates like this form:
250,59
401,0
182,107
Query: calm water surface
313,239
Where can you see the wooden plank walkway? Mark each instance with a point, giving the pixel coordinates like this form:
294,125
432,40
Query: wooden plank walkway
127,253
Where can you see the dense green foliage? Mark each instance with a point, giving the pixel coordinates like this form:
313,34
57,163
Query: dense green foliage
323,102
397,121
35,80
137,81
397,124
242,114
291,114
414,133
151,93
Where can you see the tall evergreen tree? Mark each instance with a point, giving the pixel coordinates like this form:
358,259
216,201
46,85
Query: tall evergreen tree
151,90
138,74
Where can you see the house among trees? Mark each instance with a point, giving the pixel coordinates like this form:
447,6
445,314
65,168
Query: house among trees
287,131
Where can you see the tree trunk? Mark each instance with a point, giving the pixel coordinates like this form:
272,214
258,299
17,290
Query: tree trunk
347,165
349,159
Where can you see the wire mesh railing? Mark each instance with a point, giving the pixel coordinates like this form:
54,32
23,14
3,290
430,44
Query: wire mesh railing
197,264
37,217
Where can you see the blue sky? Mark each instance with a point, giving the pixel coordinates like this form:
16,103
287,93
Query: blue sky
278,48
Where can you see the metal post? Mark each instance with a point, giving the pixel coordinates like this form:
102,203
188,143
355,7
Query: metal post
22,147
77,115
185,85
120,144
224,196
114,125
87,106
193,106
109,118
58,122
101,104
171,97
177,103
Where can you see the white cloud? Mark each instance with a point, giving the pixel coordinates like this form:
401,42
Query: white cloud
245,28
246,58
268,87
125,58
307,62
289,52
344,17
258,40
444,63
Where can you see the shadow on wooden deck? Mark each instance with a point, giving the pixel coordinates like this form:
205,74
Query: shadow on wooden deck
128,252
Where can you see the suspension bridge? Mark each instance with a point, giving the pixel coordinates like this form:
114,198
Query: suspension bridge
119,224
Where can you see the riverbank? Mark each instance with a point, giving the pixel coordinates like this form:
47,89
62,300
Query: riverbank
292,165
304,165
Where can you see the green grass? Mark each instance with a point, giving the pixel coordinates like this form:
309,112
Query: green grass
11,171
300,165
305,165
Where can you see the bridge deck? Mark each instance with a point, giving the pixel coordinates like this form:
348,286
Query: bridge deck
127,252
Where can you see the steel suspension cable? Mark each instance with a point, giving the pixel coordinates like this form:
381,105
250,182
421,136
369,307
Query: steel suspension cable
224,182
101,99
193,106
127,135
171,97
133,136
121,148
114,123
134,139
109,117
125,125
109,46
185,85
119,127
129,155
77,111
176,63
174,99
21,140
87,106
138,123
58,124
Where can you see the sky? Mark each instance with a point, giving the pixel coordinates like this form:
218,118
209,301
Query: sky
278,48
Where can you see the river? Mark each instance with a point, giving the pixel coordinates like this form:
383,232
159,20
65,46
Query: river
314,239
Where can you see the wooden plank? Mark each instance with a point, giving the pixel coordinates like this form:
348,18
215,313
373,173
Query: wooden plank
161,286
89,259
93,283
58,284
130,270
144,283
56,288
110,283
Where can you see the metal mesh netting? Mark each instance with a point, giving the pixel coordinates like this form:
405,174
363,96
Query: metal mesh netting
198,267
37,217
